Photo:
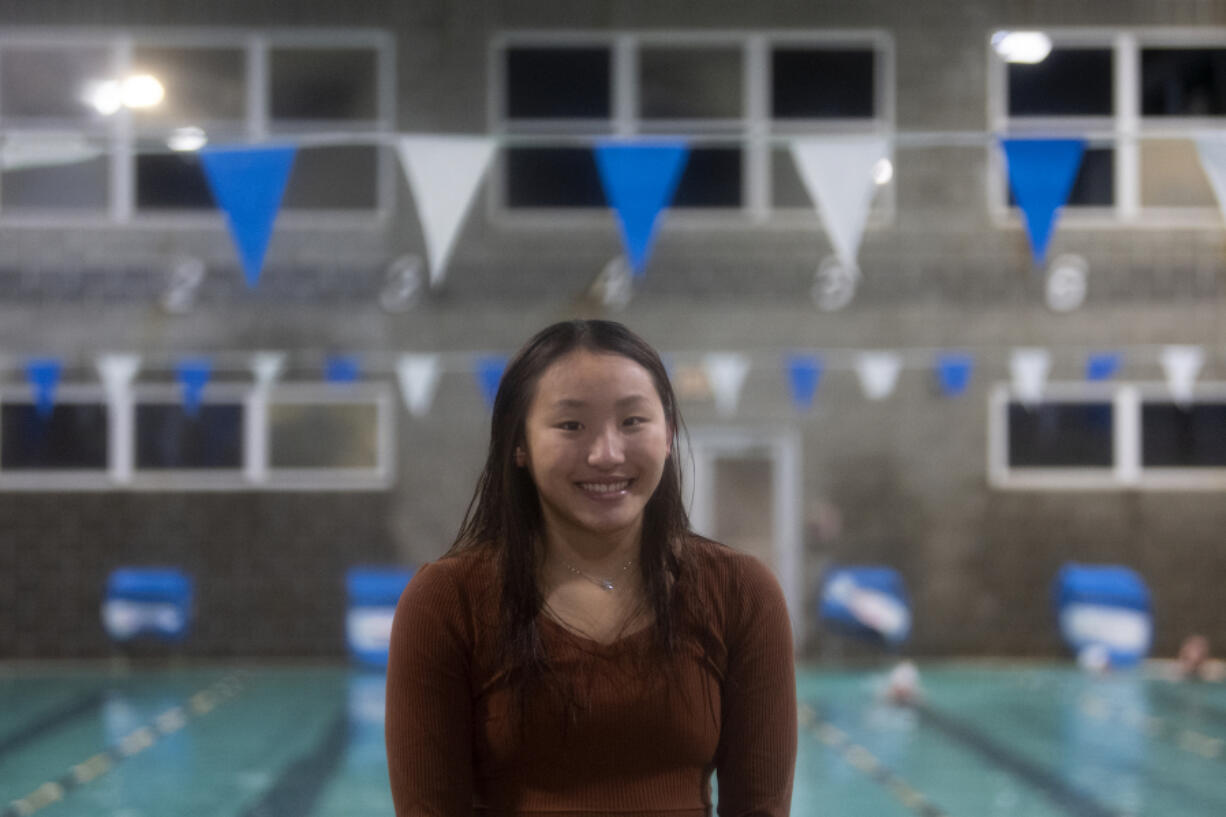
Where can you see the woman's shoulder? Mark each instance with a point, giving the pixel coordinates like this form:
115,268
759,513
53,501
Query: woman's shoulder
456,578
718,562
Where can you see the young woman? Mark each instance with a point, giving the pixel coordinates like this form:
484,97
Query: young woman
579,650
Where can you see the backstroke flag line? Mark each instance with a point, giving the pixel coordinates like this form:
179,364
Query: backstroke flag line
804,376
1041,174
838,173
418,375
1182,365
489,375
878,373
1029,368
248,185
443,174
726,374
954,372
1102,365
639,181
193,376
44,376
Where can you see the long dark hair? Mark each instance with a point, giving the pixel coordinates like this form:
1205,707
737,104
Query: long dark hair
504,517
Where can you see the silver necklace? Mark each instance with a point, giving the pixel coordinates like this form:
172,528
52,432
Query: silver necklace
606,585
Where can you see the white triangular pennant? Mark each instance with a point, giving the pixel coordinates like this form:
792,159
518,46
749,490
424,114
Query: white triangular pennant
838,173
266,368
726,374
443,173
117,372
878,373
1182,364
1029,368
1212,151
418,376
25,150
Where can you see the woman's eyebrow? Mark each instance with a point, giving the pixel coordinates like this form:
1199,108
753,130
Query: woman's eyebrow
576,403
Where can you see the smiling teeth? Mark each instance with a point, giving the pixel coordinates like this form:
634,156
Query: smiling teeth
604,487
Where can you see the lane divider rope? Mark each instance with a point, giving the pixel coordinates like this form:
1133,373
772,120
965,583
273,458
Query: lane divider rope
864,761
135,742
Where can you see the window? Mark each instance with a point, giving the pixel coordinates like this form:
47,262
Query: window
71,438
1101,436
168,437
1175,436
1140,98
1183,82
1060,435
233,86
736,96
315,436
323,435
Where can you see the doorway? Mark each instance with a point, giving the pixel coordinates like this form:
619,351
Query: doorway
745,491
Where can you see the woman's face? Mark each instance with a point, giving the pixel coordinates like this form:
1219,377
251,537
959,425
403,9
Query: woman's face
596,441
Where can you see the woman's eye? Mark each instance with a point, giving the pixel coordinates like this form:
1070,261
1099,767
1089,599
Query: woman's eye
634,421
569,425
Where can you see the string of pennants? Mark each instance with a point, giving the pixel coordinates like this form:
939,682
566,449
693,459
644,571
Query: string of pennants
418,374
639,178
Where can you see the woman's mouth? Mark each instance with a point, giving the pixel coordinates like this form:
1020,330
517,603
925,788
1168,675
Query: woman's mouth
603,489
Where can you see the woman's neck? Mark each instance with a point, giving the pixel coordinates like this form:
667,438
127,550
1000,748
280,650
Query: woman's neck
599,554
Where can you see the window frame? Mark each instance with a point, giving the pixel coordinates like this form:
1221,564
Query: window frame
755,133
1124,130
1127,473
255,473
122,134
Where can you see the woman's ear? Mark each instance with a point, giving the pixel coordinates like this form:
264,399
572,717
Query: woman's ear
521,457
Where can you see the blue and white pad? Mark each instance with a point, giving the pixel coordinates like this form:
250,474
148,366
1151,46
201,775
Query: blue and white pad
1104,613
144,601
373,593
866,602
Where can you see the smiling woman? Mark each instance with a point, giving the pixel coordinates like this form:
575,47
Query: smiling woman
580,648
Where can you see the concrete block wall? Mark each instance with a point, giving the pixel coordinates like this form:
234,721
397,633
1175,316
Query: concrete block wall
907,476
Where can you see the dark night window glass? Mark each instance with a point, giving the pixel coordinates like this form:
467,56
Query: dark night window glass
1061,435
73,437
168,437
1095,182
711,178
818,83
1175,437
171,181
690,83
1069,82
1183,82
343,177
558,83
552,177
323,83
77,186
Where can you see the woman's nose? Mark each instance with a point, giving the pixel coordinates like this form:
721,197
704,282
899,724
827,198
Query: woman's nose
607,449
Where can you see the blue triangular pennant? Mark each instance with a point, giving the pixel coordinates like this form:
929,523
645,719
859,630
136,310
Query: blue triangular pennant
44,376
193,375
804,375
954,372
639,181
1102,365
341,369
489,375
248,184
1041,173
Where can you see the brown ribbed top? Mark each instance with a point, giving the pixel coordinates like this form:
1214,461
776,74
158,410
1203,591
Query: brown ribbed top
640,737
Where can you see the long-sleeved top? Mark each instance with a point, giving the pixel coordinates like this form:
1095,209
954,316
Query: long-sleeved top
640,736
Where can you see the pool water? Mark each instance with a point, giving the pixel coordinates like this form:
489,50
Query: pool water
993,740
